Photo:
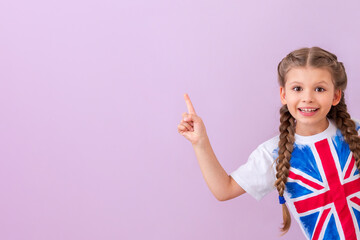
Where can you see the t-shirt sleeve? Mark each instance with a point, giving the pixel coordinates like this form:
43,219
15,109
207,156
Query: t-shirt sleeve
257,175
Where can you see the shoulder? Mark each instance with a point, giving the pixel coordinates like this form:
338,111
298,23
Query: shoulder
270,144
267,149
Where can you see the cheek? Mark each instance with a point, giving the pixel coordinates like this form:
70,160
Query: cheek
326,100
293,110
291,100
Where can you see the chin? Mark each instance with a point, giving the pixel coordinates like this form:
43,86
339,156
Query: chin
309,120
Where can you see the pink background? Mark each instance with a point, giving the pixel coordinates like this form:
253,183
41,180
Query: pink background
92,92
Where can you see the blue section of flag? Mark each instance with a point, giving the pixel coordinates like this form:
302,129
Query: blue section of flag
342,148
357,215
303,159
331,231
296,190
309,223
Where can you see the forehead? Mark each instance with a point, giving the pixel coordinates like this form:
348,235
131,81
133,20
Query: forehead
308,75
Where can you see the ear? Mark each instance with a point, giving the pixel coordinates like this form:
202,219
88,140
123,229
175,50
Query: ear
282,95
337,97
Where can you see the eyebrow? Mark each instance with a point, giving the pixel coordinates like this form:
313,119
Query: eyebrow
321,82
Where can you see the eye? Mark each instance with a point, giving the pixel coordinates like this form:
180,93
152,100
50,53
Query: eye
297,88
319,89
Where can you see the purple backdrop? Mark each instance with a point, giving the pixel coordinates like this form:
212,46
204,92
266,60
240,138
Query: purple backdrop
92,92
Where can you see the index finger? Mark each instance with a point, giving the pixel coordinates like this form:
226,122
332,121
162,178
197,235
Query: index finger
189,105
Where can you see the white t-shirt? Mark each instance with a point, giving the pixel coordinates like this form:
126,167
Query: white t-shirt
323,187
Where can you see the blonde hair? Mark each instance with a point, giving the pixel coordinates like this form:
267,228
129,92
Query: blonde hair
317,58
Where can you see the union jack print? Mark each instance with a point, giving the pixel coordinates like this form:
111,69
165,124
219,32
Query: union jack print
324,188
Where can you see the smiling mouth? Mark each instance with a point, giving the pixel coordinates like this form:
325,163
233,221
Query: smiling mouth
308,110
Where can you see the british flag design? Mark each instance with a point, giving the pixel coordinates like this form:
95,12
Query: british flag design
323,188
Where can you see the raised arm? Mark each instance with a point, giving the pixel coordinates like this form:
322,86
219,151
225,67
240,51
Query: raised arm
219,182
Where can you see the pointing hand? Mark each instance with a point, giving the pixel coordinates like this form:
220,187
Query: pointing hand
191,125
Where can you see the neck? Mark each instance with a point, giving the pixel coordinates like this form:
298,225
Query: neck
311,129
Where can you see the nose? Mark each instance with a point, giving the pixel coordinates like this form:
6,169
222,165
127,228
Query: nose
308,96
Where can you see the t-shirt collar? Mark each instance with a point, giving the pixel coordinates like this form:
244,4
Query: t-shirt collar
328,132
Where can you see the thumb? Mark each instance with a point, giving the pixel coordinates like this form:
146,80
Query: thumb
192,117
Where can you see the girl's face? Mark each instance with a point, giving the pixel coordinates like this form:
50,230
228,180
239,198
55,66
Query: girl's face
309,94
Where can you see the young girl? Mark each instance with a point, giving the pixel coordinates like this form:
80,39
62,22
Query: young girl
314,162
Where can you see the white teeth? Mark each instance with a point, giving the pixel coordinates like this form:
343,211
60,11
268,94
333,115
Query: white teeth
308,109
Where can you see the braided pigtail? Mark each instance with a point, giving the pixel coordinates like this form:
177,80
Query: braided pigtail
348,128
286,146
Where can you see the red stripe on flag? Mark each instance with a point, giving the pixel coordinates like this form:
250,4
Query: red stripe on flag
350,168
304,180
320,224
352,187
356,200
314,202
